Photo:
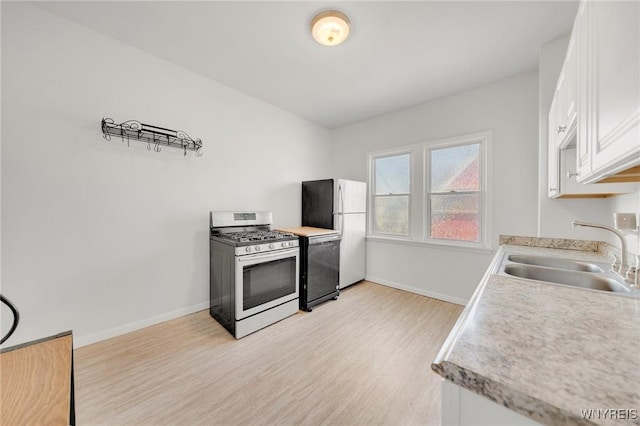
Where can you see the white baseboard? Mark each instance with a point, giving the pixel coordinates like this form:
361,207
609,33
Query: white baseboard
420,291
79,341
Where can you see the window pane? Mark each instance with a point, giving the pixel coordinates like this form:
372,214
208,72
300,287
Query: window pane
455,217
456,169
391,214
392,174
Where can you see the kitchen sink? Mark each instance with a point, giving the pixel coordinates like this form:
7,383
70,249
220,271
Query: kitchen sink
573,265
566,277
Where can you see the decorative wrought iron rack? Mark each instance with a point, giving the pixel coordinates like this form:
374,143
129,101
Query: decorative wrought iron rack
154,136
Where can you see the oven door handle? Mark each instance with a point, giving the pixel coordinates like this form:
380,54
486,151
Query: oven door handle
259,256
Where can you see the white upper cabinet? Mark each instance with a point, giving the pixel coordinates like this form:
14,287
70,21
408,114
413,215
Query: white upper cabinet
569,149
568,186
563,109
594,120
608,137
553,152
583,143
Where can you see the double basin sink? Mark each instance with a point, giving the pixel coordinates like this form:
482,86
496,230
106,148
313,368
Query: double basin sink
575,273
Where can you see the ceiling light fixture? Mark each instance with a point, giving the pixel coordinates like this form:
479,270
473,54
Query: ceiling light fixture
330,28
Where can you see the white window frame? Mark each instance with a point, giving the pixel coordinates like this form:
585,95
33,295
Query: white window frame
419,202
372,191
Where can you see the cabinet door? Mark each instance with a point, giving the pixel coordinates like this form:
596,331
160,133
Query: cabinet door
323,269
614,89
559,129
564,107
583,133
568,187
552,152
569,110
461,407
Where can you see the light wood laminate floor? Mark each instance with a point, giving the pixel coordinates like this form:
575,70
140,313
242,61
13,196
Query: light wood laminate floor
363,359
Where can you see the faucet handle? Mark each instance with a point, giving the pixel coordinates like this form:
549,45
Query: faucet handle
632,276
616,265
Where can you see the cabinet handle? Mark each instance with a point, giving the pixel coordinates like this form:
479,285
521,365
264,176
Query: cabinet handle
572,174
553,189
561,129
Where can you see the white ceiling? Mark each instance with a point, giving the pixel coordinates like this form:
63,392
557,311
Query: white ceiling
399,54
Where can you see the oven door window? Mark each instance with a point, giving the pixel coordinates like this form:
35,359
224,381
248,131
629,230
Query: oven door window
268,281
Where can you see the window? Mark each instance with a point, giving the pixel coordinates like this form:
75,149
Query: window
441,200
454,193
391,194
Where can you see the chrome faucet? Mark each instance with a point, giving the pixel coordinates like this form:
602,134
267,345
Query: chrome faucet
627,272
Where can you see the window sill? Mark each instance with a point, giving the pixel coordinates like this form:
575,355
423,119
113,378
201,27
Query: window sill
431,244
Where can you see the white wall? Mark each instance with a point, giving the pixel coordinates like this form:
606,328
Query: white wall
101,238
556,215
510,109
629,203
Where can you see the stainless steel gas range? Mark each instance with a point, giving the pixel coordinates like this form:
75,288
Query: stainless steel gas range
253,271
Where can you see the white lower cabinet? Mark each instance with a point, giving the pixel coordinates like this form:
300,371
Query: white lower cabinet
461,407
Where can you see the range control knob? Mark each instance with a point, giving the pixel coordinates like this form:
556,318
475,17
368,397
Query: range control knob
290,243
272,246
257,248
283,244
248,249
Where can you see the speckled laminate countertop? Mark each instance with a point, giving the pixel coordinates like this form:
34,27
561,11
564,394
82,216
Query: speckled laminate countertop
547,351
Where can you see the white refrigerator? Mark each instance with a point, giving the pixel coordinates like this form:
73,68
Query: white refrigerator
342,205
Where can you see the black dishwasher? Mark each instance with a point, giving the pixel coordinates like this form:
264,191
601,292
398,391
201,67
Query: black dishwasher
320,270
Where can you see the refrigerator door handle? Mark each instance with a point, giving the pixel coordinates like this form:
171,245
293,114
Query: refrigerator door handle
341,208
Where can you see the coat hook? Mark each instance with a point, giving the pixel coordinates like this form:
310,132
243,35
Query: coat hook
153,135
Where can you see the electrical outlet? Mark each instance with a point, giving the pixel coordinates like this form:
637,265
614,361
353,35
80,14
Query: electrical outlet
625,221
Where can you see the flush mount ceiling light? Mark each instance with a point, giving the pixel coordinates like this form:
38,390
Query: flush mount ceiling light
330,28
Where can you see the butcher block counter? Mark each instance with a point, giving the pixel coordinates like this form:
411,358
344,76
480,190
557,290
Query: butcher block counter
308,231
37,382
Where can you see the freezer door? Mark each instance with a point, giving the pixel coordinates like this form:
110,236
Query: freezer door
317,203
352,247
350,196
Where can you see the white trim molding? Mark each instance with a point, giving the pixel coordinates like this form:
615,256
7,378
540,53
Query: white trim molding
419,190
415,290
79,341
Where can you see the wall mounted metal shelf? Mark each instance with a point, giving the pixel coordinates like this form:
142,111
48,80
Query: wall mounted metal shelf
154,136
